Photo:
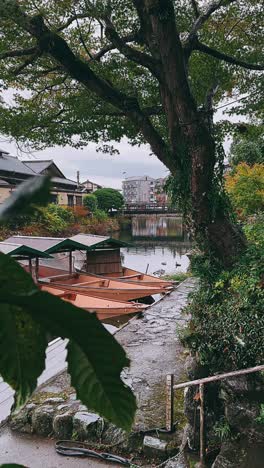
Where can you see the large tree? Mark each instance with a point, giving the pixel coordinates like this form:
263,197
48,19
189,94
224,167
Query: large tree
150,70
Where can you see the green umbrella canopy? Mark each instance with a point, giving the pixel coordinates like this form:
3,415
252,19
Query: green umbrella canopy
21,250
93,242
49,245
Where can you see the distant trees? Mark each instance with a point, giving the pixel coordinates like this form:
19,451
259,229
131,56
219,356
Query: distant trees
109,199
245,186
90,202
247,150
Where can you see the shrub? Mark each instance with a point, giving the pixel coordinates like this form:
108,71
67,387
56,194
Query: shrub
226,329
245,187
100,215
90,202
64,213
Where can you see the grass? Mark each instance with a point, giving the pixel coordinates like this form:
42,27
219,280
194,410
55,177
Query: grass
176,276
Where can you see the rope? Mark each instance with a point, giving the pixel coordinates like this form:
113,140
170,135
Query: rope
79,449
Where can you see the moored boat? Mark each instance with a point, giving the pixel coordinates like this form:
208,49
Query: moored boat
98,286
104,308
132,276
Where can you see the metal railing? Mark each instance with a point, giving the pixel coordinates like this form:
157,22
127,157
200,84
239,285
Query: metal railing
170,387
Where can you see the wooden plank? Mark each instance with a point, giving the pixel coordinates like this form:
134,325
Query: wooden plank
169,402
214,378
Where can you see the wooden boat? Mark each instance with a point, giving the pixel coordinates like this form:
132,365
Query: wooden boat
103,307
98,286
132,276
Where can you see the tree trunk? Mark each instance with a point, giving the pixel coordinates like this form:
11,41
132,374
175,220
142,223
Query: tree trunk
213,228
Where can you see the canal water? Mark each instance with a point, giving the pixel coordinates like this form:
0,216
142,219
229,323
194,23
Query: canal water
159,244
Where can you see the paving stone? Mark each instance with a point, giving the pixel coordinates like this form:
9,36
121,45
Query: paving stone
63,425
154,447
85,424
22,421
42,419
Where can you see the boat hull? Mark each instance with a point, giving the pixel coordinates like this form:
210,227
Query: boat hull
99,286
103,308
135,277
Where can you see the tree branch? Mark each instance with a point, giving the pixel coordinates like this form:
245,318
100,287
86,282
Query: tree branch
18,52
132,54
226,58
214,6
108,47
54,45
27,62
195,8
71,19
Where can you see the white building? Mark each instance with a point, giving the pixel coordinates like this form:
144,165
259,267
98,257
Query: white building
139,190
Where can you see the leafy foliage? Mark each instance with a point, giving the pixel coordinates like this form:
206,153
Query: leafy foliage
28,314
245,186
248,151
227,313
90,202
55,218
58,108
260,418
109,199
222,429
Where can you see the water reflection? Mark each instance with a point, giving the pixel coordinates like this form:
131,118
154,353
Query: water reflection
157,226
159,244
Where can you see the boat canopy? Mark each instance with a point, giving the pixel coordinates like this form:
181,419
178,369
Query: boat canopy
50,245
93,242
21,250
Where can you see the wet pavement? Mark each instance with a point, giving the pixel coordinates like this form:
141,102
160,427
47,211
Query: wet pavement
35,452
153,346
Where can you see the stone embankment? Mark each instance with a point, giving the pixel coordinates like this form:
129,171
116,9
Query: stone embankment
152,344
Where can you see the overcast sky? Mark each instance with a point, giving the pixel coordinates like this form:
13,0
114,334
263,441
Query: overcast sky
101,168
104,169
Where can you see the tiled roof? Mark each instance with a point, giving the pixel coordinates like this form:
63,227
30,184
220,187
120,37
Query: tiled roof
11,164
37,165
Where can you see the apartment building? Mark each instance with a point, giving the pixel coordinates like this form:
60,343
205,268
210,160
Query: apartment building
144,190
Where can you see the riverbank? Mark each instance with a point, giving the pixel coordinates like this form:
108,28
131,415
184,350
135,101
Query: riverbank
55,220
153,346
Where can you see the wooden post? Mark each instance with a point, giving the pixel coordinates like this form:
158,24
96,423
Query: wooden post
37,268
87,261
202,434
30,265
70,263
169,402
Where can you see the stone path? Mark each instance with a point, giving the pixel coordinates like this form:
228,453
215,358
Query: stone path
152,344
154,349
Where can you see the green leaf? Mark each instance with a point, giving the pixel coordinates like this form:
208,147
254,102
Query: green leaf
12,465
22,340
94,356
22,351
36,190
98,386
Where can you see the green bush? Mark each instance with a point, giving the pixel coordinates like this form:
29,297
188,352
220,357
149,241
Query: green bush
55,218
100,215
63,213
227,325
90,202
